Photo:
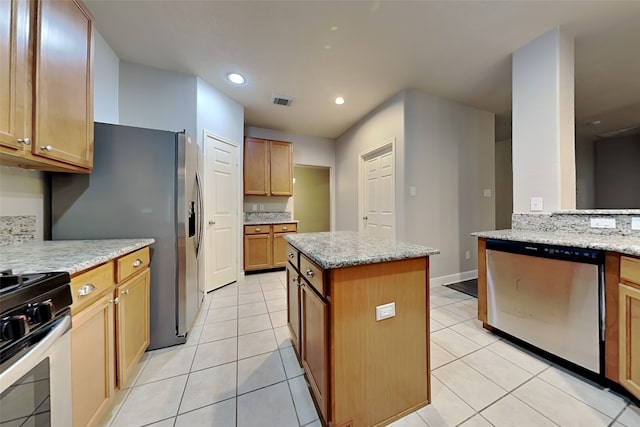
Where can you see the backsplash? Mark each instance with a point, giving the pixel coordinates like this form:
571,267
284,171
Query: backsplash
267,216
577,221
15,229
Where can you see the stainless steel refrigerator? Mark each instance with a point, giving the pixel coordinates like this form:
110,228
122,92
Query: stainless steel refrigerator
144,184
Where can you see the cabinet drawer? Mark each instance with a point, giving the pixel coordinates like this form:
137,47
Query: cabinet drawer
293,256
630,269
257,229
132,263
314,274
285,228
87,287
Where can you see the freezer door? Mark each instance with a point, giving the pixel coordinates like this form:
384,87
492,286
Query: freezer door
189,225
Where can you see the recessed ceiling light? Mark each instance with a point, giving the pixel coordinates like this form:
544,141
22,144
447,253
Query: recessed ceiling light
334,28
339,100
235,78
595,123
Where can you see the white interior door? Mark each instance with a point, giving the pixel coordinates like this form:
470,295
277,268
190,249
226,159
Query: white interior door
221,214
378,194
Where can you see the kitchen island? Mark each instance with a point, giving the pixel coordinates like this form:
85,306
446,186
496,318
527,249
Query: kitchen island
358,312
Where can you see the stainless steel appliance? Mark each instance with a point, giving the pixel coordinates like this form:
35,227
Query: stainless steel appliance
551,297
35,349
144,184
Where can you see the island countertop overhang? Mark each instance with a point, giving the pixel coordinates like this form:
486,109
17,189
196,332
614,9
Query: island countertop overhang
337,249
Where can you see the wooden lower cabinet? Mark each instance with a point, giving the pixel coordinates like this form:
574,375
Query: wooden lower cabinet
293,307
92,360
629,324
265,247
315,345
132,324
257,252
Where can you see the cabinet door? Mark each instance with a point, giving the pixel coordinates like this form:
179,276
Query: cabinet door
132,324
279,250
64,83
257,252
15,73
315,345
629,316
293,306
281,169
92,361
256,167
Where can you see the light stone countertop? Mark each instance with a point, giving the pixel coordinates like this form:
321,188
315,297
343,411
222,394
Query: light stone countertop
629,245
349,248
266,222
71,256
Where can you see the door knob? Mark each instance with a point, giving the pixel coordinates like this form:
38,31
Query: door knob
211,222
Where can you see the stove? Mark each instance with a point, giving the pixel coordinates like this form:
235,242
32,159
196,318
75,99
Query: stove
29,305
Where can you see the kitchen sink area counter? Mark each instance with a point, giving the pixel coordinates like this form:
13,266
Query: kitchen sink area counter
71,256
358,314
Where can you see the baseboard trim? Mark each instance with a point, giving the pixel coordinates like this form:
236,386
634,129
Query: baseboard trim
453,278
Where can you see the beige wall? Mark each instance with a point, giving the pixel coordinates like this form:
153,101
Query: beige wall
504,184
450,159
311,202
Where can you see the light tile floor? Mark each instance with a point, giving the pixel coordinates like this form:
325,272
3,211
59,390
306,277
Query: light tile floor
238,369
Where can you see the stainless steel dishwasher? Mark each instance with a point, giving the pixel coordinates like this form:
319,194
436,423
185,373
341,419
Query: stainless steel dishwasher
551,297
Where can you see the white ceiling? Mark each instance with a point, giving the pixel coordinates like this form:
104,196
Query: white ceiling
366,51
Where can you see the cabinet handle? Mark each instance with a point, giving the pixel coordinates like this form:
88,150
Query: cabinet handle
25,141
114,301
257,229
309,272
46,148
86,290
125,292
284,228
290,255
137,262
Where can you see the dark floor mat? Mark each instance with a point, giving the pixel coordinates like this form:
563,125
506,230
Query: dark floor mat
469,287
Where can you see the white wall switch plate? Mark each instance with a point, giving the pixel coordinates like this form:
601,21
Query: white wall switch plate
603,223
385,311
261,207
635,223
487,192
536,204
467,255
412,191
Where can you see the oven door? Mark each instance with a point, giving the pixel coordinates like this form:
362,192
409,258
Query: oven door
36,388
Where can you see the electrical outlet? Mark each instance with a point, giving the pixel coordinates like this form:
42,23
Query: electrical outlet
467,255
412,191
635,223
385,311
603,223
261,207
254,207
487,192
536,204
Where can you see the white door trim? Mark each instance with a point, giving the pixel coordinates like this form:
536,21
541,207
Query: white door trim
239,218
389,144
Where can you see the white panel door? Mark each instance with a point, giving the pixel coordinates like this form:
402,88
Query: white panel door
378,218
221,166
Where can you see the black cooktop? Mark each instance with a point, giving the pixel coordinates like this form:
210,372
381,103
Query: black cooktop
18,289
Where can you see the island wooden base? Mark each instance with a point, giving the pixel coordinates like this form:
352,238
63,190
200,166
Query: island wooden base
362,372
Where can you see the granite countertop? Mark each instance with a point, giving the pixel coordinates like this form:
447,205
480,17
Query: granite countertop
349,248
629,245
269,222
71,256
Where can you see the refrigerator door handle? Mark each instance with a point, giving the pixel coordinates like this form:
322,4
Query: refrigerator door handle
199,214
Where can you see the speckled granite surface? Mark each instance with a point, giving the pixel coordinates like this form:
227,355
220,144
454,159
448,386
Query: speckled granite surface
576,221
258,218
348,248
17,228
629,245
65,255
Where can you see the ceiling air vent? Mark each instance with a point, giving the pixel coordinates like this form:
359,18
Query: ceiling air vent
281,100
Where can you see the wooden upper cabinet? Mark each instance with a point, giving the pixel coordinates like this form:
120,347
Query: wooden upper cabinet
64,83
15,79
281,168
268,167
46,85
256,167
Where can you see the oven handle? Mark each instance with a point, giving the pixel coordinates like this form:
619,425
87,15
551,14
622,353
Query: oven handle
34,356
